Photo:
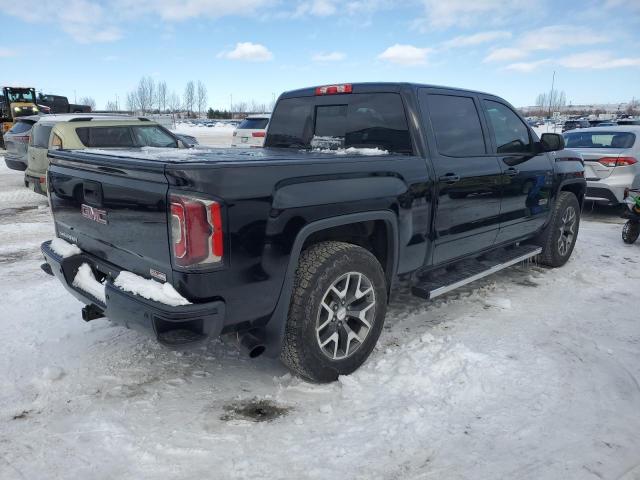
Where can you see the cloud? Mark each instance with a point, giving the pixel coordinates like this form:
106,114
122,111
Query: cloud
406,55
253,52
598,60
329,57
86,21
439,14
505,54
552,37
179,10
7,52
526,66
476,39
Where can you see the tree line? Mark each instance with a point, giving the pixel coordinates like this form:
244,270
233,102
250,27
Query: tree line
151,96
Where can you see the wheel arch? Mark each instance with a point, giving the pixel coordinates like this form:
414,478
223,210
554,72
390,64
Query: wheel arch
321,230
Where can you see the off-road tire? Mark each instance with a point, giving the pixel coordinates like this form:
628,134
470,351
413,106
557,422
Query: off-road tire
630,231
319,266
548,239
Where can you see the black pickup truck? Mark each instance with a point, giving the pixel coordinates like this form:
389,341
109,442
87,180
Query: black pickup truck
293,249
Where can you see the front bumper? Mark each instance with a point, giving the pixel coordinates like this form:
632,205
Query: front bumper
172,326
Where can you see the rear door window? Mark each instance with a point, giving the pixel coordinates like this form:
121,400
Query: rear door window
456,125
342,121
40,136
106,137
153,136
511,135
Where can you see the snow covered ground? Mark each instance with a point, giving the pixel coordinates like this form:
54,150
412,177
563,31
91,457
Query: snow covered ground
530,374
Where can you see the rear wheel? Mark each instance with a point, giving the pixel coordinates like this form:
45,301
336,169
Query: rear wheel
337,310
559,237
630,231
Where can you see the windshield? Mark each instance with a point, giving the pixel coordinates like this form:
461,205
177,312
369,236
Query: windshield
254,124
21,95
599,139
335,122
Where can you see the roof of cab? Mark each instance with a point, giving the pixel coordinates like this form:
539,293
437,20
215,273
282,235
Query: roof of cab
376,87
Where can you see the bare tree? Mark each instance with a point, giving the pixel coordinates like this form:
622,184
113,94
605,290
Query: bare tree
145,94
189,96
240,107
173,102
201,97
271,106
132,101
88,101
111,106
162,96
633,108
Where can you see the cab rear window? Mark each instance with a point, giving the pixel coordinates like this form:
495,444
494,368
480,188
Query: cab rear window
333,122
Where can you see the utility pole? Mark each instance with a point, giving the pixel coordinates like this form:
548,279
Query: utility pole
553,80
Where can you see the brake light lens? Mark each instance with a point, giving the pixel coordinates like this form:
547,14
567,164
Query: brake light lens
196,231
617,161
258,134
626,161
334,89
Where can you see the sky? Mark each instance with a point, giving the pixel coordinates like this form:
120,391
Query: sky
256,49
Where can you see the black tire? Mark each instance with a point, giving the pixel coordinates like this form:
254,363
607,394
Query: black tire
320,266
553,254
630,231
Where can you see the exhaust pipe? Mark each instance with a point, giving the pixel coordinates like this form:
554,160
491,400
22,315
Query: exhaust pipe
251,343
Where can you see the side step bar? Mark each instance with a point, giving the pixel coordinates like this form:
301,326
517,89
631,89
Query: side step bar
467,272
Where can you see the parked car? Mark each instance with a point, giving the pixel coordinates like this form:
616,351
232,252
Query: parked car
608,124
16,142
628,121
611,160
251,132
573,124
293,250
76,132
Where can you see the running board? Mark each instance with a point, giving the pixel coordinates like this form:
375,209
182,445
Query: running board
467,272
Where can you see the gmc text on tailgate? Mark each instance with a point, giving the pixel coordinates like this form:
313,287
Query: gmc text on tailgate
294,249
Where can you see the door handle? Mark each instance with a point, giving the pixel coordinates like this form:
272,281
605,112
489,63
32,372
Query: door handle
512,172
449,178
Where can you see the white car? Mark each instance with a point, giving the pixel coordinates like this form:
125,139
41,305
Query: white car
251,132
611,157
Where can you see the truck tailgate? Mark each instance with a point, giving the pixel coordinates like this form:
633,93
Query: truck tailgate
114,210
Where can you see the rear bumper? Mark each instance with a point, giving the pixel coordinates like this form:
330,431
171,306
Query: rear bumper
609,190
34,183
14,163
172,326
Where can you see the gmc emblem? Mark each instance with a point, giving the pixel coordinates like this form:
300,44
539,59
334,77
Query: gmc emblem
94,214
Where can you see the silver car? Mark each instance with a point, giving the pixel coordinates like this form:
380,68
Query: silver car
16,142
611,156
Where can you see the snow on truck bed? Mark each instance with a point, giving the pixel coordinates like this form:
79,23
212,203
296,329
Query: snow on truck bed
529,374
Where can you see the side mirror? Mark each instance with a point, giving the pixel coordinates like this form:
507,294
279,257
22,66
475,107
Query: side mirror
552,142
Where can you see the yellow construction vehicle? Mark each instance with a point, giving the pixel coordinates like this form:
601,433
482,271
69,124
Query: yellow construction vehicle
15,102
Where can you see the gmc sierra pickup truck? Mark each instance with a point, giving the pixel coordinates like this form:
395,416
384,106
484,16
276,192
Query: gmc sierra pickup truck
293,249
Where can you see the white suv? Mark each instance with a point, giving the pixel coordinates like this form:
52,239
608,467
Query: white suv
252,131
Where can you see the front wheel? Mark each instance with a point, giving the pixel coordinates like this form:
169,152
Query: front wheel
559,237
630,231
337,310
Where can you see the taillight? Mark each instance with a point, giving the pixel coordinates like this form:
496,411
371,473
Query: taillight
334,89
196,231
21,139
617,161
625,161
258,134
